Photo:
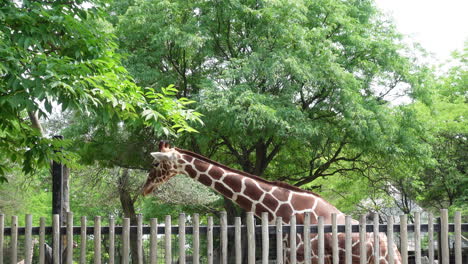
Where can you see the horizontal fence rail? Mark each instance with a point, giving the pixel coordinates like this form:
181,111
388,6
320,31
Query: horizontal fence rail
173,241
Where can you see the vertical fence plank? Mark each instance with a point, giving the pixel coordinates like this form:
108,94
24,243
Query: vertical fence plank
154,241
14,240
362,240
111,240
458,244
196,239
417,237
97,240
404,239
126,241
376,240
265,240
444,236
224,239
182,238
348,240
250,238
2,226
335,253
209,238
168,240
430,237
390,245
83,240
28,240
321,241
140,239
56,238
279,240
292,240
307,254
69,259
237,240
42,224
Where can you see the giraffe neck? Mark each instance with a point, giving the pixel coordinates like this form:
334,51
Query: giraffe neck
253,195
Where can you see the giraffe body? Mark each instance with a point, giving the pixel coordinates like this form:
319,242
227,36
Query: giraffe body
257,195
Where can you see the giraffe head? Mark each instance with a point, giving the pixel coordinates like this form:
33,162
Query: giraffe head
163,168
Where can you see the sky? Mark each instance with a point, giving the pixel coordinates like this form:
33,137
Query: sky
440,26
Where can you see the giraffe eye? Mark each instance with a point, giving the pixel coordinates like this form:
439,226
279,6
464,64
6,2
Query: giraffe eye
155,165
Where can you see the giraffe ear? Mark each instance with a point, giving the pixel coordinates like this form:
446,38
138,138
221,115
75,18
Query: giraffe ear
164,146
160,156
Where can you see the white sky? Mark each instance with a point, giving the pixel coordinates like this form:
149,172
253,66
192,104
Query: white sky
440,26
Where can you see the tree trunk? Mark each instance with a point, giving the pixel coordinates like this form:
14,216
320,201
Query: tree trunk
128,207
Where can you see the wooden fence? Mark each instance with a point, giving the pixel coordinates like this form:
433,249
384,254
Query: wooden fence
167,243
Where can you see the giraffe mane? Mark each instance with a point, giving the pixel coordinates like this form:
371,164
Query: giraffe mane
243,173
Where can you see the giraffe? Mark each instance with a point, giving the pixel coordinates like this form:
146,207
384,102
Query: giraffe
258,195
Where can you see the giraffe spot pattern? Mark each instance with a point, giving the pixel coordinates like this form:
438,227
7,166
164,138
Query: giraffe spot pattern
205,179
223,190
253,191
270,202
259,209
285,211
216,173
244,203
233,181
191,172
187,158
281,194
200,165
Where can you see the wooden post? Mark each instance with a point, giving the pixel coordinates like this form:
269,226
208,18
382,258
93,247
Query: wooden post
83,240
348,241
111,240
69,238
168,240
279,240
307,252
14,240
237,239
56,239
458,244
265,238
430,234
404,239
391,256
292,239
2,227
182,238
154,241
140,238
362,240
376,239
97,240
321,241
444,236
224,237
196,239
126,241
417,237
42,240
250,238
209,235
28,250
335,253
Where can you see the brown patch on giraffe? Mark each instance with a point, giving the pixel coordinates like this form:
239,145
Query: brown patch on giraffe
270,202
300,202
200,165
265,187
180,161
281,194
252,190
234,181
205,179
223,190
216,173
187,158
285,212
244,203
191,172
259,209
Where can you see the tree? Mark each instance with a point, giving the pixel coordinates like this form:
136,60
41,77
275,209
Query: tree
59,56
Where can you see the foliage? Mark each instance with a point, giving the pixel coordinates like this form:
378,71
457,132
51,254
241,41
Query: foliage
59,56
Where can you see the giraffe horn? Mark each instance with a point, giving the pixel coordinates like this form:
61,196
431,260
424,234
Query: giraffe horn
164,146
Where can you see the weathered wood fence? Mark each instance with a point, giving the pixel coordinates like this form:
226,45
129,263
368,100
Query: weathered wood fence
155,241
